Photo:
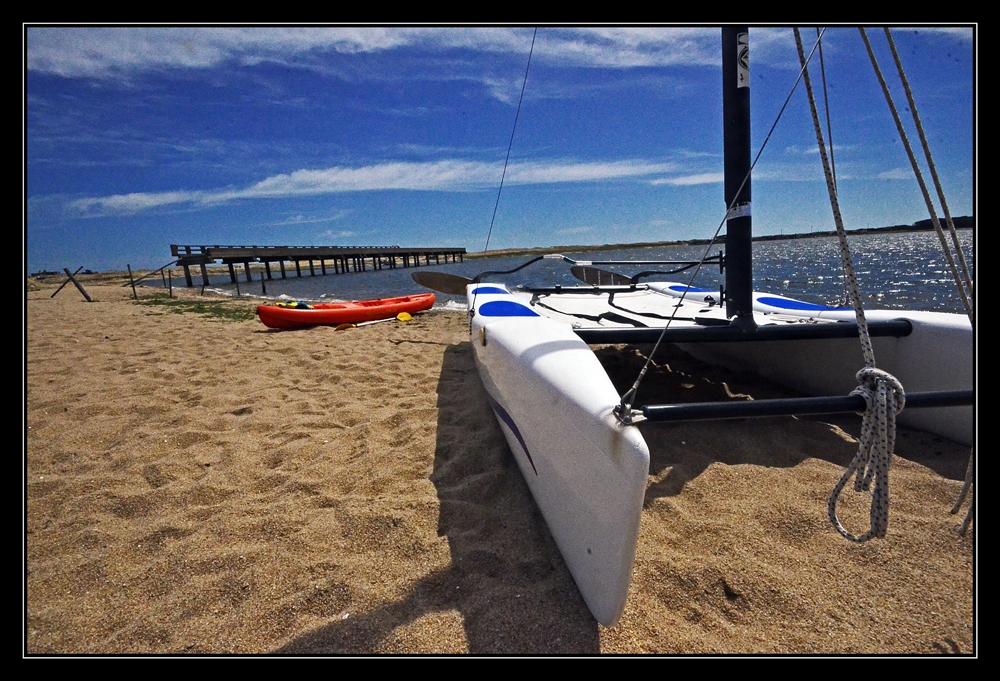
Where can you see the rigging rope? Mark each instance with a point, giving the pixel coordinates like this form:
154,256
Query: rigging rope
913,160
846,300
882,393
934,175
963,282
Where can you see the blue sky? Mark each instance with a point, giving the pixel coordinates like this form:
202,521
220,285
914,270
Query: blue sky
140,137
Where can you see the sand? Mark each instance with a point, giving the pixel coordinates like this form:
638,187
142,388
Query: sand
195,485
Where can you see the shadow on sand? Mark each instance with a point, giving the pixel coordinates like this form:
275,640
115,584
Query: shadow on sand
680,452
506,579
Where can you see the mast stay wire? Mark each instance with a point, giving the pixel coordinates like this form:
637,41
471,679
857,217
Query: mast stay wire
624,412
829,135
510,144
503,175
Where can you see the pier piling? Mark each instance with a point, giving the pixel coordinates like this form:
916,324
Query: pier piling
342,257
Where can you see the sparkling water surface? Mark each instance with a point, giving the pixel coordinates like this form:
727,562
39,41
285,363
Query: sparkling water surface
895,271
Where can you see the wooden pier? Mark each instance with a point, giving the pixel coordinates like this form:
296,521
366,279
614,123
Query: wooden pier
327,259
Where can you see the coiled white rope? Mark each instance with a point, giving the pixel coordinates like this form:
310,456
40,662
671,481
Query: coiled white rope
883,394
885,398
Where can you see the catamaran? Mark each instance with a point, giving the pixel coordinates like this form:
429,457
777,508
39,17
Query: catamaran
575,438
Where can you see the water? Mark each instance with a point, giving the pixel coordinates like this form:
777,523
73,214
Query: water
895,271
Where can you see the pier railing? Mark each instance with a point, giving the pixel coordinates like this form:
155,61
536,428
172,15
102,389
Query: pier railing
338,259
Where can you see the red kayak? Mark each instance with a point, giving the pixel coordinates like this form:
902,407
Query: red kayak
298,315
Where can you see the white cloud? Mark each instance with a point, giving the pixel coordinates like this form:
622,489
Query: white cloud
303,220
897,174
700,178
125,204
342,234
109,52
814,150
630,47
544,173
99,52
446,175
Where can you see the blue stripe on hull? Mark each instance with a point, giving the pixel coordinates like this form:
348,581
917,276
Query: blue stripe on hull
786,304
505,417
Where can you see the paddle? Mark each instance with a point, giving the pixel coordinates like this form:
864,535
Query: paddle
402,316
451,284
598,277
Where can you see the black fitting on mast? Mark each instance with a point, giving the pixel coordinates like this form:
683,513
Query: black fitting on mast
736,116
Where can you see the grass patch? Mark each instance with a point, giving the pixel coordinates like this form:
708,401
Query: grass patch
210,307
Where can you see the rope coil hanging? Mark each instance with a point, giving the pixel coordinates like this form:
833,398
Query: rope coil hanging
883,394
885,398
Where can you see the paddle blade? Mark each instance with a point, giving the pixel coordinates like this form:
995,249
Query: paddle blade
599,277
451,284
404,316
344,327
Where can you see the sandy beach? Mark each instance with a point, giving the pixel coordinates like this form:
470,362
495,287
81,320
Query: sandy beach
196,484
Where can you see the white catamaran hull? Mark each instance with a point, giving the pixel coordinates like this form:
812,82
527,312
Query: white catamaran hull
936,355
586,471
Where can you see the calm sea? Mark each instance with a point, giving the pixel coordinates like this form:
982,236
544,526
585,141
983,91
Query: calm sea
897,271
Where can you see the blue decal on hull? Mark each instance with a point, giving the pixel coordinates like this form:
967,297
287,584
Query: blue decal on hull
505,308
786,304
694,289
505,417
483,290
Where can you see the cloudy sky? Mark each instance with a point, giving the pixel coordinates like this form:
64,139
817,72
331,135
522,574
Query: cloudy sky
140,137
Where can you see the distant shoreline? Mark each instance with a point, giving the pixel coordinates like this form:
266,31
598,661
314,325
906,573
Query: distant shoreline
964,222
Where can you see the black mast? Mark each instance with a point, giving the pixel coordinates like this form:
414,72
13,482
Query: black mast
736,115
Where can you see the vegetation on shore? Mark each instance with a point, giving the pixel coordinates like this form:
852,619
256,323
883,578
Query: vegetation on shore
182,301
220,308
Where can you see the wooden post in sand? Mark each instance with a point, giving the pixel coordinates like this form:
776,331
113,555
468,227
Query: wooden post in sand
73,279
66,282
135,295
170,283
